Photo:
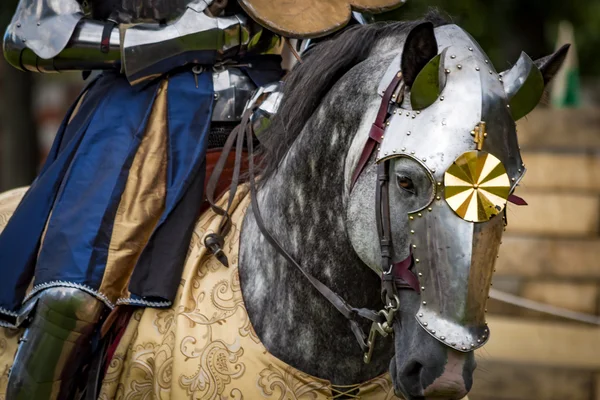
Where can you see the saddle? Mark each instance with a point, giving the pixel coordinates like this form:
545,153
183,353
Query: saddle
212,156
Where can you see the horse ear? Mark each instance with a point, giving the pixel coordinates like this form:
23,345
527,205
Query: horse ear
524,83
429,83
550,65
420,47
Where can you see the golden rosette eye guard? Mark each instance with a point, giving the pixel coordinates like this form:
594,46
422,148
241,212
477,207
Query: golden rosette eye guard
476,186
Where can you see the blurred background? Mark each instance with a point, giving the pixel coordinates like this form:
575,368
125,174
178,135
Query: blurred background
551,251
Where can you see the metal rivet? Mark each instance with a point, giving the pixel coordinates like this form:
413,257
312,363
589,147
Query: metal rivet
442,98
424,303
500,79
407,114
408,133
24,40
414,246
417,260
470,49
472,345
430,209
453,344
412,152
420,215
476,68
478,340
486,61
439,183
485,310
425,324
508,106
491,72
404,148
519,170
411,217
385,154
513,179
433,332
464,348
413,232
394,151
422,287
420,274
459,66
438,197
452,56
485,330
485,134
387,123
443,337
421,315
423,159
418,112
39,23
18,24
216,96
447,71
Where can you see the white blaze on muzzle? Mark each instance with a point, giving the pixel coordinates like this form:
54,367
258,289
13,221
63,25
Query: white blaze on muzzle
466,140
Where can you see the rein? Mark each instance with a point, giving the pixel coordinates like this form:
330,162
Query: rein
394,276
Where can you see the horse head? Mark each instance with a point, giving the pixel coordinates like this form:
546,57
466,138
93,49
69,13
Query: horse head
447,146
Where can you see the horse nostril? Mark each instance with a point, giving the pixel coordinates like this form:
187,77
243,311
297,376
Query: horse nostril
413,371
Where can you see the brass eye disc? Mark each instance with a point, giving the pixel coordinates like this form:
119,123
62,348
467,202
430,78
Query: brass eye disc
476,186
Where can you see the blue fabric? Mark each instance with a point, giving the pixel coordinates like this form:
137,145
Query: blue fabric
79,188
77,193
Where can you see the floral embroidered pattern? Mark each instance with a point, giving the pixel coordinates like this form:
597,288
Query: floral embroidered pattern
204,347
288,384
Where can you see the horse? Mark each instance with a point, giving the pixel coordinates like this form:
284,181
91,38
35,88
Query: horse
319,196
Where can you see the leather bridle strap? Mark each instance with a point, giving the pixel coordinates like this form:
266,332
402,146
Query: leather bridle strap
337,301
215,241
377,129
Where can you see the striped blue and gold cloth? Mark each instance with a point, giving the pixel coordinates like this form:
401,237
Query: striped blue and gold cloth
113,208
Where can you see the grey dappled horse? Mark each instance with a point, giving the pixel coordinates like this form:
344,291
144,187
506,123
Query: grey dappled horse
329,226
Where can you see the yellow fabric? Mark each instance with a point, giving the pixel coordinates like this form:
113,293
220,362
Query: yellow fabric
8,337
142,202
204,346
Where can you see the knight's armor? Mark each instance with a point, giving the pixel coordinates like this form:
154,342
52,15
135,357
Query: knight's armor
152,53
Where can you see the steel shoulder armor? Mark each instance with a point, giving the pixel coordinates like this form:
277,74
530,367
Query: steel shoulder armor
43,27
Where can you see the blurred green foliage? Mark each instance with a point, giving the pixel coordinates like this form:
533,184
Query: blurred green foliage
7,8
504,28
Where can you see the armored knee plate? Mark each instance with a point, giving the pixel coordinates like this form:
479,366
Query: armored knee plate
55,345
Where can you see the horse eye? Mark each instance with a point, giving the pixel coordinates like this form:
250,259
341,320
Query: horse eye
406,183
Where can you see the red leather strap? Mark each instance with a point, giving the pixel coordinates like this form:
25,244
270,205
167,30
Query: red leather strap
377,129
517,200
401,271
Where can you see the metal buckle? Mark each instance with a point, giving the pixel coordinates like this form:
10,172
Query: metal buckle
382,328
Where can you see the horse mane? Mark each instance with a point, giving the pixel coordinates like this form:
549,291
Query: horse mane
321,67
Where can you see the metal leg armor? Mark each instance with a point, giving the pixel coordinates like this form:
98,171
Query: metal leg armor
55,346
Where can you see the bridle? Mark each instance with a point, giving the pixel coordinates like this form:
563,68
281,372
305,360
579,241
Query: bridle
394,276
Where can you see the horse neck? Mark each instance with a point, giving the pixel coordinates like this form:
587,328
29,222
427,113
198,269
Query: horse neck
304,205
